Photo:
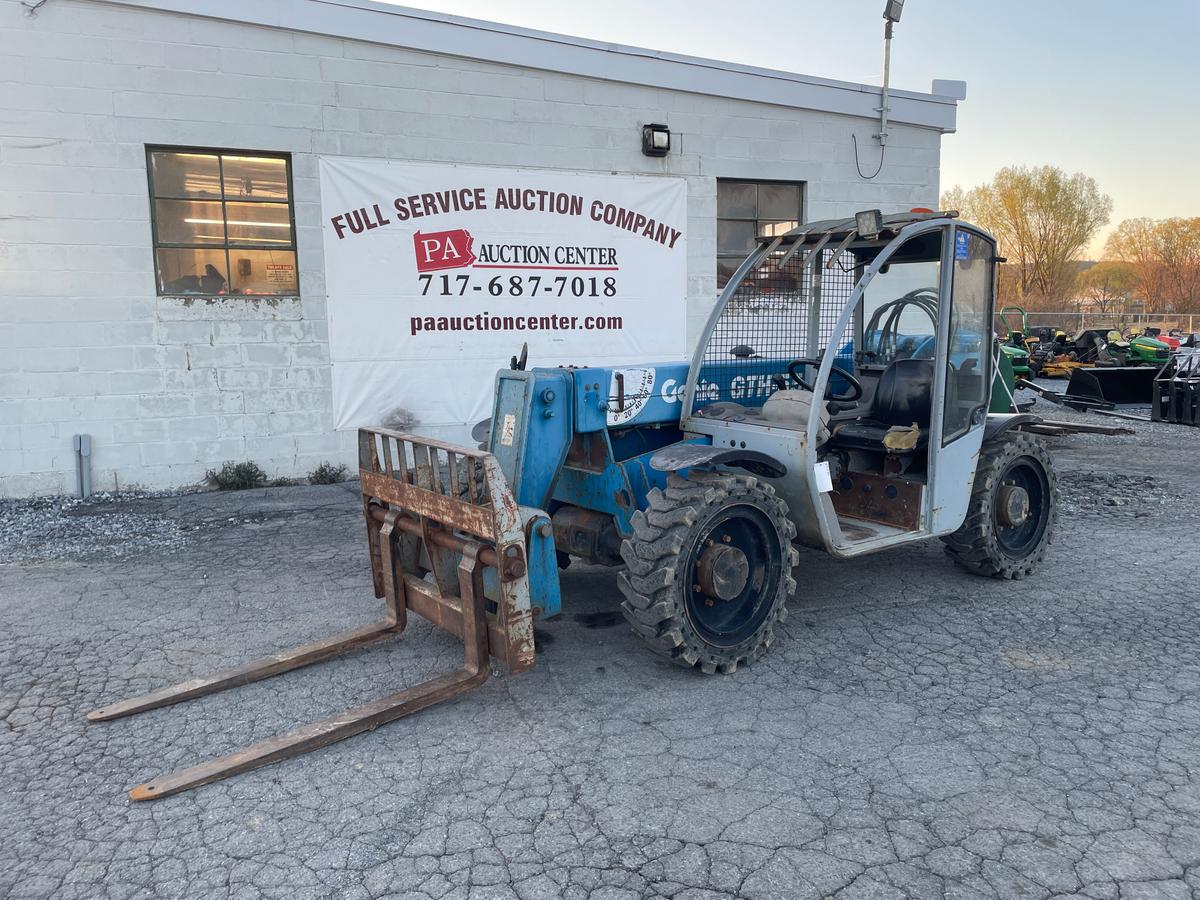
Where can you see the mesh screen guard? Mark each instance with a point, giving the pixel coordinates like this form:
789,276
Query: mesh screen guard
776,314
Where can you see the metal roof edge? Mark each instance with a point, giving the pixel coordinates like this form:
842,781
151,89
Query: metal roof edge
422,30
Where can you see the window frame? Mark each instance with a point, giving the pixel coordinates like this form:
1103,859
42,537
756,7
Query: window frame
802,190
219,152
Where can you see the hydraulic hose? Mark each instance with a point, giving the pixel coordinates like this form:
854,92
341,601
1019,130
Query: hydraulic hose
881,336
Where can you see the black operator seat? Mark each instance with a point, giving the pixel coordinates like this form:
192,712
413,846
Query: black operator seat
904,395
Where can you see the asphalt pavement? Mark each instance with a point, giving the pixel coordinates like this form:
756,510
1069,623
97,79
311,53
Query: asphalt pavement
914,732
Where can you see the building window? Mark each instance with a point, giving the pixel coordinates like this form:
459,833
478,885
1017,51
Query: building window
222,222
746,210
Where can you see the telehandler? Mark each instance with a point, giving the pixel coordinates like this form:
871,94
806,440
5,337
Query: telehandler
838,399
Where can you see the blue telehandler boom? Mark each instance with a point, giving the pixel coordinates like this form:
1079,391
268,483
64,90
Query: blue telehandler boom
837,399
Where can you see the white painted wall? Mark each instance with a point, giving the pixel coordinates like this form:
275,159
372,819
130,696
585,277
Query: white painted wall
169,388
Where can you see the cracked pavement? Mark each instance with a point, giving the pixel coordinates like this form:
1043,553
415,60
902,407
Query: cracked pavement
914,732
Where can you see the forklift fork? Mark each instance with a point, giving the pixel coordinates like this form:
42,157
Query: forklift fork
438,517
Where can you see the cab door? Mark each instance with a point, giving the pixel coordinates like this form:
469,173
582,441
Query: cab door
963,377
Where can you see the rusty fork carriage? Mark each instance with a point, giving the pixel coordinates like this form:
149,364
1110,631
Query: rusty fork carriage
447,541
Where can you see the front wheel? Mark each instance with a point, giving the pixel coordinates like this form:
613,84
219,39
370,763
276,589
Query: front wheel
709,569
1013,509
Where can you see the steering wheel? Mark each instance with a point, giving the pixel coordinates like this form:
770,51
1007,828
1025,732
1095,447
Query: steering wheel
856,388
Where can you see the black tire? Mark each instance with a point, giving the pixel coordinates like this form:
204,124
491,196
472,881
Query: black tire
663,603
988,544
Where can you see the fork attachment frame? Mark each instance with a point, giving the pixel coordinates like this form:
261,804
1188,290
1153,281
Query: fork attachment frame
438,517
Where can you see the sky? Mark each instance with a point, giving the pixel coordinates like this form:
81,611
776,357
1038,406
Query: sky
1108,87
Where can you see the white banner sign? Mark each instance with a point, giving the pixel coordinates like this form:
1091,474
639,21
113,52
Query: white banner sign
436,274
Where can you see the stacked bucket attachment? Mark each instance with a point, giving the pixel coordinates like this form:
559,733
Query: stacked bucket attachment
1177,391
447,541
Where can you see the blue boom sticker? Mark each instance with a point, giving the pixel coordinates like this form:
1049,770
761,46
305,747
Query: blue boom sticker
962,244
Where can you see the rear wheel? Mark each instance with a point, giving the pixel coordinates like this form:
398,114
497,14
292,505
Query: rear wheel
709,569
1013,509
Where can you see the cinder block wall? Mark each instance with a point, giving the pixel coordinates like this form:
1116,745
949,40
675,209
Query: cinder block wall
169,388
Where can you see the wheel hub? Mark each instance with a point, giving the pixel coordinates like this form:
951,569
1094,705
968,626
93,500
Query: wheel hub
733,573
722,571
1012,505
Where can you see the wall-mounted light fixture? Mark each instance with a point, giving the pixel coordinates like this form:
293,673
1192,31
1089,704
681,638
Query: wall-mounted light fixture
656,140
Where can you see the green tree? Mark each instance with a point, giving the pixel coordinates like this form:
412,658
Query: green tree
1107,287
1043,219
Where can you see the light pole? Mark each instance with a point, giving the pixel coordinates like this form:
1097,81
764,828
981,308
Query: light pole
891,15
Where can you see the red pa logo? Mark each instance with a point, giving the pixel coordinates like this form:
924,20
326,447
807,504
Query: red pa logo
439,250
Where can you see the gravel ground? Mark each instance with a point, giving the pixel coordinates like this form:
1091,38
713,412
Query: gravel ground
914,732
1112,487
107,524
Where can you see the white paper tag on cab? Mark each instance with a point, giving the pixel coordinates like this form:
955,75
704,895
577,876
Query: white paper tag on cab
824,479
509,431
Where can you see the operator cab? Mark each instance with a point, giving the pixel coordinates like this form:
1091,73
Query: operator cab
904,309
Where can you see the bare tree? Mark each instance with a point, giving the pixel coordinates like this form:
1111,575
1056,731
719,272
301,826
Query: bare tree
1135,243
1179,241
1164,254
1043,219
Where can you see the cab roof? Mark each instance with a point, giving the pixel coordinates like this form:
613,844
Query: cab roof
833,230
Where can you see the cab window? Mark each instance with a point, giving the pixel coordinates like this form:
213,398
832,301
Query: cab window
900,305
970,334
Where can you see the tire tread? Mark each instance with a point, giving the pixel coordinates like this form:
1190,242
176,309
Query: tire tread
652,603
974,545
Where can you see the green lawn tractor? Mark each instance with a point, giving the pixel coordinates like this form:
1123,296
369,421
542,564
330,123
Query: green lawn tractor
1143,349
